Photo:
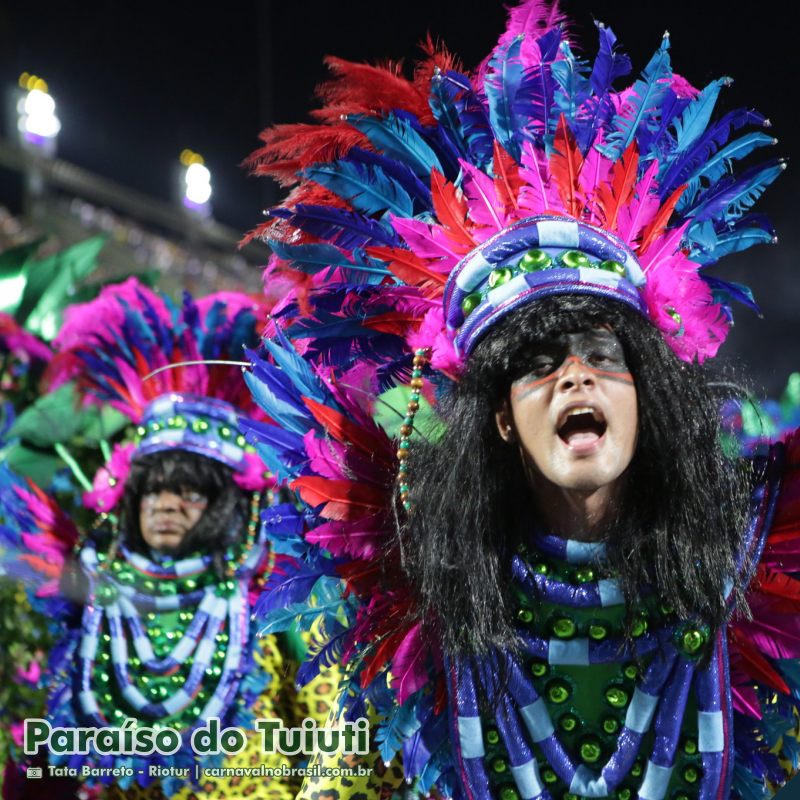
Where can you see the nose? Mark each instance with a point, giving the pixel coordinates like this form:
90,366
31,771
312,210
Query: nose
574,374
166,501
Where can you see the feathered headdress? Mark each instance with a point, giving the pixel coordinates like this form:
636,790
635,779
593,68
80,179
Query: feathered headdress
114,346
463,196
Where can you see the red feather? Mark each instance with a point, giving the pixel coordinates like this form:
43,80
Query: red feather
565,166
381,657
361,576
775,583
451,210
507,182
411,269
615,194
757,666
344,500
346,432
659,222
393,322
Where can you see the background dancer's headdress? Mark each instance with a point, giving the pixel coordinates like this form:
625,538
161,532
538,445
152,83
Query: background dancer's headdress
532,176
114,346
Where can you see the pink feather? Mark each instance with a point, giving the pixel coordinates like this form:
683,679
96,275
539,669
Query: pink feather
408,664
634,216
538,195
359,539
484,206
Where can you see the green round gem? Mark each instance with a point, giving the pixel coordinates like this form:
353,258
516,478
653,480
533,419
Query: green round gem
168,588
624,794
574,259
135,662
674,314
548,776
525,616
225,432
190,584
105,656
171,422
541,568
101,556
665,609
636,769
126,578
616,697
176,679
639,627
569,723
107,593
103,677
241,441
107,699
569,796
584,575
222,637
499,765
141,430
145,679
539,669
590,750
199,425
155,426
692,641
564,628
690,747
613,266
149,586
610,725
492,736
558,692
509,793
498,277
155,633
116,566
181,422
598,631
631,672
470,303
534,260
691,774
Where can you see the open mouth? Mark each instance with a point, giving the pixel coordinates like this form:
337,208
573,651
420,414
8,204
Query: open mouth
581,426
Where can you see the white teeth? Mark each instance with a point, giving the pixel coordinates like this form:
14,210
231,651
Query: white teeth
580,410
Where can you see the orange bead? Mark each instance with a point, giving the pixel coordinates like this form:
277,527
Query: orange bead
405,430
416,383
402,453
413,406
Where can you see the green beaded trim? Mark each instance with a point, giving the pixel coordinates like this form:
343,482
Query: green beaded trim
537,260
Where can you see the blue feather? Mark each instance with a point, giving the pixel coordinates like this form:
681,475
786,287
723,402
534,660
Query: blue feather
326,655
398,726
397,171
397,138
646,98
368,188
574,87
729,200
536,96
268,385
695,117
299,373
680,170
284,590
475,124
501,85
340,227
609,64
443,106
750,230
721,163
726,292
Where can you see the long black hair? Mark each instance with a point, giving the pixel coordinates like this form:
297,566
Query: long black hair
224,521
679,524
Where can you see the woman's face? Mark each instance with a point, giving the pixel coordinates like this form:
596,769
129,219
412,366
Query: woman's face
165,517
575,413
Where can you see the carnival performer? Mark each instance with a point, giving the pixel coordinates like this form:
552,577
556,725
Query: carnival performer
558,585
155,608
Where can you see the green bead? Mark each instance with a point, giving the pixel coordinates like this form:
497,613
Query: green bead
101,556
564,628
190,584
631,672
168,588
181,422
199,425
584,575
492,736
225,432
155,426
176,679
116,566
574,259
541,568
509,793
569,723
639,627
590,750
126,578
525,616
610,725
149,586
624,794
222,638
598,631
616,697
498,277
103,677
558,691
539,669
155,632
534,260
105,656
470,303
692,641
636,769
548,776
106,594
690,747
241,441
135,662
613,266
499,766
141,430
107,699
691,774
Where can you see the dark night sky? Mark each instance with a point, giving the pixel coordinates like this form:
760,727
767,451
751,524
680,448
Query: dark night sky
137,82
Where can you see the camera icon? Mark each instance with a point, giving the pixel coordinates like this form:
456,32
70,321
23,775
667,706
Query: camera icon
34,772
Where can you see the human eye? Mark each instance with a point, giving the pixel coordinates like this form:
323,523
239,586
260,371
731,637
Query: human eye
193,497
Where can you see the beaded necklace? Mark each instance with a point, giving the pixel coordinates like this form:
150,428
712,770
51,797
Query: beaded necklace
664,718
